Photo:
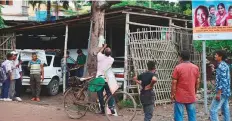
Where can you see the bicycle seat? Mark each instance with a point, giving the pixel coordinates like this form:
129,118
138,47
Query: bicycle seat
86,78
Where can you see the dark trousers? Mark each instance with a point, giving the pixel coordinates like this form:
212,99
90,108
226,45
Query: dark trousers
101,97
67,77
35,84
80,72
18,87
5,88
148,112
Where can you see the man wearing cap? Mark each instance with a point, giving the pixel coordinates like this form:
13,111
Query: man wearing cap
16,84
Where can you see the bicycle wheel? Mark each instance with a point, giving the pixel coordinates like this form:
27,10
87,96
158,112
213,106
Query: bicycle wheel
75,103
117,109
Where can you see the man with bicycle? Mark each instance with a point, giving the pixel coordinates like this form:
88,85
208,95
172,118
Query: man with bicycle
104,61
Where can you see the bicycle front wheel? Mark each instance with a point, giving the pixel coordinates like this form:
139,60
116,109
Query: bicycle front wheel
119,109
74,103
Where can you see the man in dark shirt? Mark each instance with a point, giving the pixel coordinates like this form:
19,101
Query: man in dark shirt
147,81
81,60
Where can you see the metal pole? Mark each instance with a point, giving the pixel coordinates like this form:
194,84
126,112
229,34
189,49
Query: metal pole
126,53
204,76
65,55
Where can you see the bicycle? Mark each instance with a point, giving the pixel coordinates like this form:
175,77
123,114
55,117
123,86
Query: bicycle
80,103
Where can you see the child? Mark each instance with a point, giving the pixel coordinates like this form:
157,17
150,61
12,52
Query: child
212,15
229,17
147,81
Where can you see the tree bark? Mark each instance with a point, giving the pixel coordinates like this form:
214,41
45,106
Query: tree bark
98,16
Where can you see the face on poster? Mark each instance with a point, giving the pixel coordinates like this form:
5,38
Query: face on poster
212,20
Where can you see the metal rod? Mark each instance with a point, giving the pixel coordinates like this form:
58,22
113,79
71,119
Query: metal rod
127,29
65,55
204,76
145,25
159,16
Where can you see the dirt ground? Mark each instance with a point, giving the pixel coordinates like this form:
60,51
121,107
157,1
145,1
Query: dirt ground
51,109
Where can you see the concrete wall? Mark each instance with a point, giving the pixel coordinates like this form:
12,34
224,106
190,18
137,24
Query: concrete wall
15,11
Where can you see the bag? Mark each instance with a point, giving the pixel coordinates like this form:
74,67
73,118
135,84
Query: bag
3,74
147,97
96,84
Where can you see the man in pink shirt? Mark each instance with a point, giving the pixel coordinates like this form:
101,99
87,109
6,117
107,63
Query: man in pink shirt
184,87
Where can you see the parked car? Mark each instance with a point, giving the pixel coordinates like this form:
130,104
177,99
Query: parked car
118,69
52,74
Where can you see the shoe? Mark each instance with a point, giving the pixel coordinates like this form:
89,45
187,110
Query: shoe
112,111
18,99
1,99
33,99
37,99
7,99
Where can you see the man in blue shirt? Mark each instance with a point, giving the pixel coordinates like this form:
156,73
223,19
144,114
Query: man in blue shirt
221,100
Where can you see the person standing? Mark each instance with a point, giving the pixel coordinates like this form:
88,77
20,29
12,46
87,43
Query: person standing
81,60
36,76
147,95
185,84
65,68
17,78
104,62
7,66
221,101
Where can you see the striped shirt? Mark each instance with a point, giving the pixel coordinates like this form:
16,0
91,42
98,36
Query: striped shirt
35,66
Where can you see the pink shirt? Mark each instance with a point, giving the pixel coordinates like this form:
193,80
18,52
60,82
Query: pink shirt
103,63
186,75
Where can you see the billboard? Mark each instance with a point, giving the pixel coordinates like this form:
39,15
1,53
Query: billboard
212,20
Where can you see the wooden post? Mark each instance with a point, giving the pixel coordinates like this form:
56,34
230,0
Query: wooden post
127,28
110,38
65,54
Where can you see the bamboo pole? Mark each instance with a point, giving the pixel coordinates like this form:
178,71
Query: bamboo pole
65,55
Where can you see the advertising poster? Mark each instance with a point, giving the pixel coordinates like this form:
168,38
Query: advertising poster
212,20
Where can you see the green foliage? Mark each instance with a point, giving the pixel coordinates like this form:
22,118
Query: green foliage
181,7
2,24
213,45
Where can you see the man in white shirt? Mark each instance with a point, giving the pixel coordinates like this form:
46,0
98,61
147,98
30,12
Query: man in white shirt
104,62
7,65
16,84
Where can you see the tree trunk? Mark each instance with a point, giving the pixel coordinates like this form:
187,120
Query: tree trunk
98,16
48,10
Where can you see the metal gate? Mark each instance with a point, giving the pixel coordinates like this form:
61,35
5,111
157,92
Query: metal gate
162,45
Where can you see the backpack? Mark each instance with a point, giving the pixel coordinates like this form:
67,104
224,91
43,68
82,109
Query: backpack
3,74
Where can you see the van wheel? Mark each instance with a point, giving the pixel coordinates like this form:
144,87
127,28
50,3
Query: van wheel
53,87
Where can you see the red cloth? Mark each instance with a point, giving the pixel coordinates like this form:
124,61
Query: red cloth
229,20
219,19
186,75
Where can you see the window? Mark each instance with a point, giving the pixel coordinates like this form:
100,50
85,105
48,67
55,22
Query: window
6,2
57,62
49,59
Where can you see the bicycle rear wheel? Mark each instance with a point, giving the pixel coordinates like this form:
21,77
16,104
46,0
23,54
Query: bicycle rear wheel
119,109
75,103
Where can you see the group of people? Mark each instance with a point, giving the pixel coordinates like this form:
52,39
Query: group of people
11,87
212,16
184,88
71,63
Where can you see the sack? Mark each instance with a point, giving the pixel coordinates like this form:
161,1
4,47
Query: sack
3,74
147,97
96,84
